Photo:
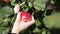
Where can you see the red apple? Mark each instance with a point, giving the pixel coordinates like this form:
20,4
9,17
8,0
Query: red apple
25,16
6,1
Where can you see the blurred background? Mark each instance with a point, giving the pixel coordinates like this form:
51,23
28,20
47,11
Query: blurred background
45,12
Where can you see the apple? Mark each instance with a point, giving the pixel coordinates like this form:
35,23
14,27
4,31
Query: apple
6,1
26,16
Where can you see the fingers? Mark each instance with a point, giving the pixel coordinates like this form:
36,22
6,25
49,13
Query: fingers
17,21
31,22
17,8
15,28
18,17
19,26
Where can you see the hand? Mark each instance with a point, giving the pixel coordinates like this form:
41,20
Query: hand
19,25
17,8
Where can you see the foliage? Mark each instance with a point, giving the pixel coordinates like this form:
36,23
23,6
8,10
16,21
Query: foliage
45,12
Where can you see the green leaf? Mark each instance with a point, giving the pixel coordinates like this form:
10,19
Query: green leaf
36,30
49,21
4,30
6,11
0,0
38,23
1,17
37,7
30,4
12,2
25,7
52,21
40,4
44,32
52,1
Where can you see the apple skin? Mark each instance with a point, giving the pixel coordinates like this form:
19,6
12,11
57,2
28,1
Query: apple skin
25,17
6,1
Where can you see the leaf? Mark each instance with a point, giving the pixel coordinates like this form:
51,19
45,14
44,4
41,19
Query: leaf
6,22
0,0
1,17
30,4
44,32
4,30
6,11
36,30
12,2
52,2
37,7
52,21
40,4
49,21
31,0
38,23
25,7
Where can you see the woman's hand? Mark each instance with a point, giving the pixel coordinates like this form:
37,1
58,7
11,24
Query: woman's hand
19,25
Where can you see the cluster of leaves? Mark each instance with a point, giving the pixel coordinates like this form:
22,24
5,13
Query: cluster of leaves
43,10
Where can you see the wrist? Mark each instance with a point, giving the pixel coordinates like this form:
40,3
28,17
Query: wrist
15,31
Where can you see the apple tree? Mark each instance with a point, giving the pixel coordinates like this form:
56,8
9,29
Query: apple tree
45,12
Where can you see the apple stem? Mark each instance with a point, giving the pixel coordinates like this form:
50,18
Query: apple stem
19,4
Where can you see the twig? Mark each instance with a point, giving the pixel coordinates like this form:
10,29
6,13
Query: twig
22,3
